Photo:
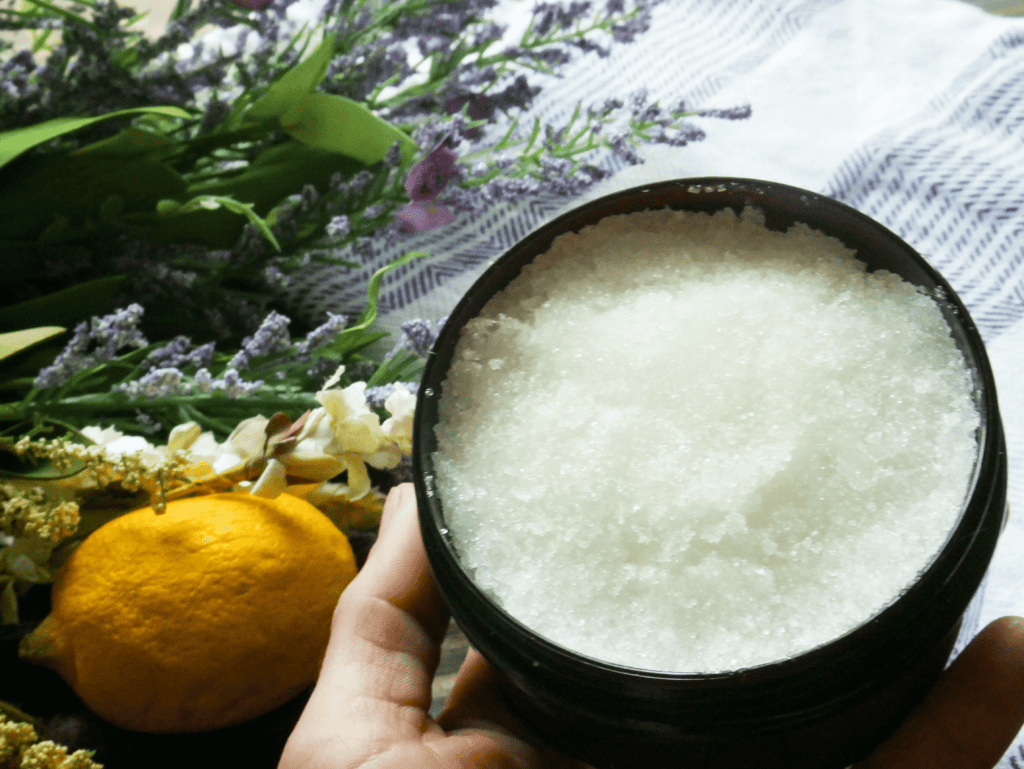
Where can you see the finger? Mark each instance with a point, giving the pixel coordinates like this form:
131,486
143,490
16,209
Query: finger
476,702
374,685
395,502
392,611
396,570
475,696
972,714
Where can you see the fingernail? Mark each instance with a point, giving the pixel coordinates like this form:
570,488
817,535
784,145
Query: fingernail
395,501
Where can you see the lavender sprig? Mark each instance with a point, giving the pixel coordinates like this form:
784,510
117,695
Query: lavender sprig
155,387
94,344
438,70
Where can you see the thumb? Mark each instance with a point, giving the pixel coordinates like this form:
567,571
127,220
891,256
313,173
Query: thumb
970,717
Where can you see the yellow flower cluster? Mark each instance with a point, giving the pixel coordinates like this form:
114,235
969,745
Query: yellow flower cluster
27,512
20,749
151,472
30,527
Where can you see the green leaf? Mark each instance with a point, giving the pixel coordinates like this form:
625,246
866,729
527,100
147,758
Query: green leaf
16,341
369,313
212,203
339,124
280,171
40,190
19,140
246,210
214,229
63,308
168,206
356,337
64,13
276,173
8,604
294,85
403,367
180,9
12,466
348,346
130,142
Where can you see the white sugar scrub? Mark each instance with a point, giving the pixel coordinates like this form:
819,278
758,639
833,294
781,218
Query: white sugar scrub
685,442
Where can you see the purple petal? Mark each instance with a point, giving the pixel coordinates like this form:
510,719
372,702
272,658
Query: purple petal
427,178
424,216
481,107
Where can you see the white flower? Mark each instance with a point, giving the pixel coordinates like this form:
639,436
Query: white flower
401,404
115,444
305,12
183,437
272,482
310,458
206,453
24,568
343,435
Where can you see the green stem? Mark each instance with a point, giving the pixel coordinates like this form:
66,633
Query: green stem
83,406
14,714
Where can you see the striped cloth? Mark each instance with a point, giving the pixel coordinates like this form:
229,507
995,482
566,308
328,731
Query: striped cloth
910,111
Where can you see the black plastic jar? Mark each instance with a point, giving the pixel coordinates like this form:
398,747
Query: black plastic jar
825,708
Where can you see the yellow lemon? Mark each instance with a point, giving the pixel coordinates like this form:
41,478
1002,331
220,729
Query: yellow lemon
209,614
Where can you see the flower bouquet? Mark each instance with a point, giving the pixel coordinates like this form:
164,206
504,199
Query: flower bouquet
158,194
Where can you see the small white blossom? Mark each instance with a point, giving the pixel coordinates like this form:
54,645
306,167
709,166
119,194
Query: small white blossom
116,444
273,481
401,404
343,435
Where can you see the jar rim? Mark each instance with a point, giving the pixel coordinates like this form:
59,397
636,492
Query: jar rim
969,542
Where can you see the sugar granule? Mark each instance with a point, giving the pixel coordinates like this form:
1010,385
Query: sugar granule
686,442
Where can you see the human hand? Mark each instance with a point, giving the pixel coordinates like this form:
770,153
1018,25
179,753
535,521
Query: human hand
971,715
370,706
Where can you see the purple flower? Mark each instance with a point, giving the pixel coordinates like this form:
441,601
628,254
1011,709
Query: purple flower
271,337
427,178
520,93
423,216
375,396
424,183
94,343
202,356
637,25
234,386
547,17
338,227
478,107
418,336
481,107
203,381
72,359
171,354
159,383
732,113
323,334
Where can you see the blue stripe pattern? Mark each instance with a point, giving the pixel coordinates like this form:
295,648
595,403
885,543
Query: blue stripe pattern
707,42
952,185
